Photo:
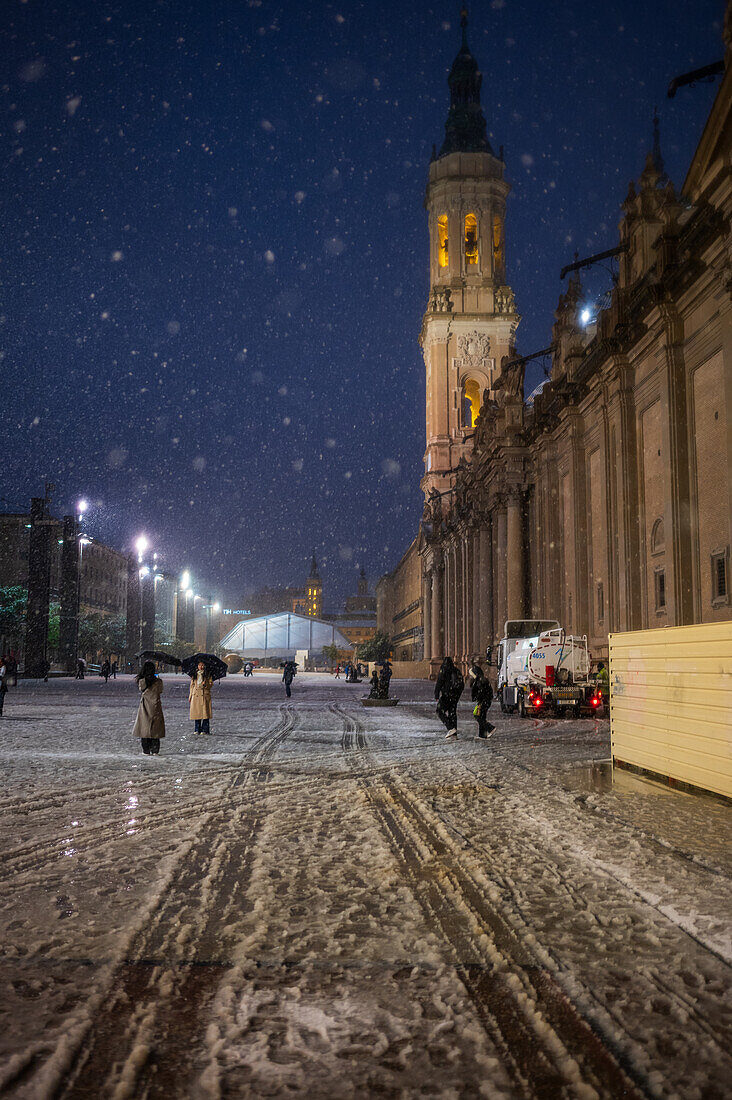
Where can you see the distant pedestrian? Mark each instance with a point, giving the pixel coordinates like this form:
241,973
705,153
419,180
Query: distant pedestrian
105,671
3,683
199,697
114,670
481,693
384,680
80,668
448,689
374,693
150,723
289,672
603,679
338,672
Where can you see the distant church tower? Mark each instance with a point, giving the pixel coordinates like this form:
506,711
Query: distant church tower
470,322
314,589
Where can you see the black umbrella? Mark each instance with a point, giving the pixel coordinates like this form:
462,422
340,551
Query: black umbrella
215,667
156,655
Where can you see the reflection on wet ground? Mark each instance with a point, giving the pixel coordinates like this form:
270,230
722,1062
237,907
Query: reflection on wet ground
599,777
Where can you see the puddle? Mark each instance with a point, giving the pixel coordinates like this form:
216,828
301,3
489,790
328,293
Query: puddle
600,778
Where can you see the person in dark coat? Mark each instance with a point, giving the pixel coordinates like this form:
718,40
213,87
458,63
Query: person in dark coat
384,679
481,693
105,671
150,723
288,675
3,683
448,689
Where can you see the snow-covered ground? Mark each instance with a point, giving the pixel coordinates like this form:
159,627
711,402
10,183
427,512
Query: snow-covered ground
325,899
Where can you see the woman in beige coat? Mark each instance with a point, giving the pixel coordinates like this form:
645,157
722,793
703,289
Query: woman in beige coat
150,724
199,697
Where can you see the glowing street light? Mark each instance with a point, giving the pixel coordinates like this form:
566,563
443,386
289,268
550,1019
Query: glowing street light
189,593
142,545
585,316
185,580
82,506
144,570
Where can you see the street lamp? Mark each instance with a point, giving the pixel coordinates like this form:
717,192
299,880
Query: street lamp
142,544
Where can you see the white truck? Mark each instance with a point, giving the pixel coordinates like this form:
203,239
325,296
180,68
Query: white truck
543,669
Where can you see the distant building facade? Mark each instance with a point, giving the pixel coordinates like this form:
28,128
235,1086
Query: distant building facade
604,499
306,599
358,621
103,570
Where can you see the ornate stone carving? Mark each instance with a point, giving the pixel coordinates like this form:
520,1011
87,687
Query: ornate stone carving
441,301
473,348
504,301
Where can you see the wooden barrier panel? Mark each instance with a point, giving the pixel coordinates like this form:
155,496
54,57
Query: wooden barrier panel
671,703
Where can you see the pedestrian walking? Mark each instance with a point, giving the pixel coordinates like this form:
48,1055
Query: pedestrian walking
289,672
150,723
481,693
199,697
448,689
80,668
105,671
3,683
338,672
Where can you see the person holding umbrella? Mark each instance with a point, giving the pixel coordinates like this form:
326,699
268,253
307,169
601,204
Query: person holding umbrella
199,697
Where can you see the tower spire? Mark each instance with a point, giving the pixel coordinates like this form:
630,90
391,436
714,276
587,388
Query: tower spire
657,158
465,129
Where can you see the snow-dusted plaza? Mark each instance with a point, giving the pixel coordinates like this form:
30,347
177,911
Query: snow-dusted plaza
329,900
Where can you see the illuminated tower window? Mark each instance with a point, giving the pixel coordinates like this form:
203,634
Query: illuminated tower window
470,403
471,239
499,249
442,240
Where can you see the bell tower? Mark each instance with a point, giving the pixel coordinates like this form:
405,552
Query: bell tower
470,321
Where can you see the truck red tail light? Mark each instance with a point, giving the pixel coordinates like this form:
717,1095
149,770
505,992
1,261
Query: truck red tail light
595,701
538,701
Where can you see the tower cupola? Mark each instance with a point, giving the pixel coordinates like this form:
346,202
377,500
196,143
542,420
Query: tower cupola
465,129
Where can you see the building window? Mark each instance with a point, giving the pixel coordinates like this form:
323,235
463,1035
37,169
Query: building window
470,403
499,250
442,255
659,578
720,587
471,240
658,537
600,601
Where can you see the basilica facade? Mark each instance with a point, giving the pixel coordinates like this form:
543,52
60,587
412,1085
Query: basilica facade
602,500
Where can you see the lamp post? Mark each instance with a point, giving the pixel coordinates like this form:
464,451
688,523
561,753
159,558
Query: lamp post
147,595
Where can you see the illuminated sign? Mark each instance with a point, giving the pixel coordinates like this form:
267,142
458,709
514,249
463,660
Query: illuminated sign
232,611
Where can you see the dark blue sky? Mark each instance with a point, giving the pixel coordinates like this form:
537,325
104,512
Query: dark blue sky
214,253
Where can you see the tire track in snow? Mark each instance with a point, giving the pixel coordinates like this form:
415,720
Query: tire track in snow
139,1034
546,1043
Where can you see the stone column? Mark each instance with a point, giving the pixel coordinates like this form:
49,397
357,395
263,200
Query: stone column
514,558
485,595
467,549
499,565
427,613
459,586
446,588
437,614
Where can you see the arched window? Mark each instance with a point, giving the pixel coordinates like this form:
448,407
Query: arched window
442,240
499,250
471,240
470,403
658,537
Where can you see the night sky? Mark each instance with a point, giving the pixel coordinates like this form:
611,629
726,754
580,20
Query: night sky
213,261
